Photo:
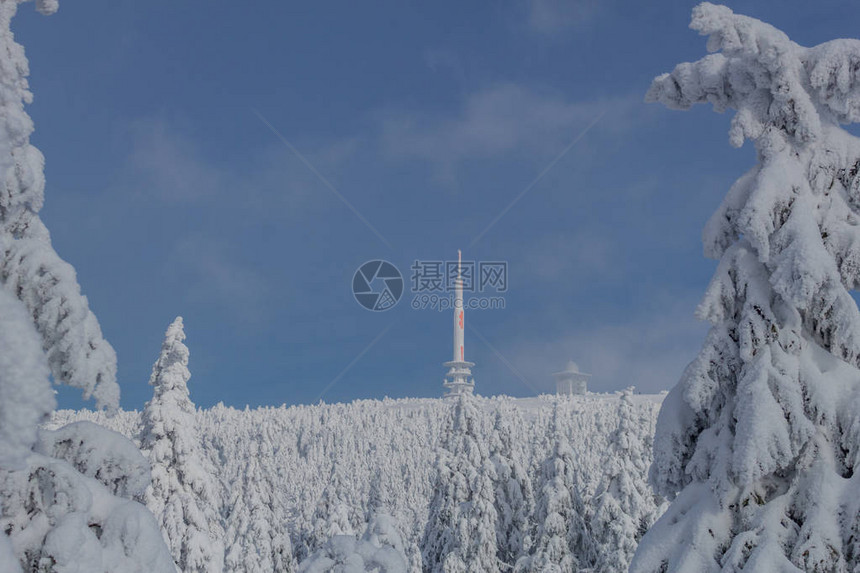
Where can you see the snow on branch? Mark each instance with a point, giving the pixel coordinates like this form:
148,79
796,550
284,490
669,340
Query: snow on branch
78,355
756,428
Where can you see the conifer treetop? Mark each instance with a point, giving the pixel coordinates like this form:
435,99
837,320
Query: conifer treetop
171,368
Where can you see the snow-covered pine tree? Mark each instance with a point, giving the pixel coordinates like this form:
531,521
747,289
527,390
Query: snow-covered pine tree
58,511
30,269
182,495
381,531
758,443
379,550
26,398
378,496
256,537
283,560
460,536
625,504
334,515
563,541
513,492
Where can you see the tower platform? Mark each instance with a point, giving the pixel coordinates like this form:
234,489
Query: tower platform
459,380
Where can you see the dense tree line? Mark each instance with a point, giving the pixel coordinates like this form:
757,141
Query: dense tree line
547,483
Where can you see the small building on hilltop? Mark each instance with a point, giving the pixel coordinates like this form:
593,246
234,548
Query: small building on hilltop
571,381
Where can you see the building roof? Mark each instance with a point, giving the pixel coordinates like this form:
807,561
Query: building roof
571,371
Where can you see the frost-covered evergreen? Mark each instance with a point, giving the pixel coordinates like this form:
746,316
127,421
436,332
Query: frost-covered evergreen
334,514
377,495
382,531
182,495
625,504
101,454
563,542
30,269
379,550
461,530
276,462
514,495
65,495
257,541
759,442
26,398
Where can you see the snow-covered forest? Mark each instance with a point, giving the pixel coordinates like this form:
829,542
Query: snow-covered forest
277,487
412,485
748,464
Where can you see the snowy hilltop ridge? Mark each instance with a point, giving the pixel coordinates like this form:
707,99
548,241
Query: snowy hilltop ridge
303,484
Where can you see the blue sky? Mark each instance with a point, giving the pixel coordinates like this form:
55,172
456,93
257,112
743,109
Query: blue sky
171,196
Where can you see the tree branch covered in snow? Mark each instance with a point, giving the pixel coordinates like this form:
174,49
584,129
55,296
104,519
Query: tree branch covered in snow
30,269
26,398
65,495
756,443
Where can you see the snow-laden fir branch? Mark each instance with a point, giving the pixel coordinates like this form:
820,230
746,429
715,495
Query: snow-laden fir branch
758,442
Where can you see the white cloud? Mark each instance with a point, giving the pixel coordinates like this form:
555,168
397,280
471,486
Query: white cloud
165,167
649,351
168,165
577,255
215,276
551,17
445,60
503,120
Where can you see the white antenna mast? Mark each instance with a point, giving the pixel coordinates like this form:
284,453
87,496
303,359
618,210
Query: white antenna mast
458,379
